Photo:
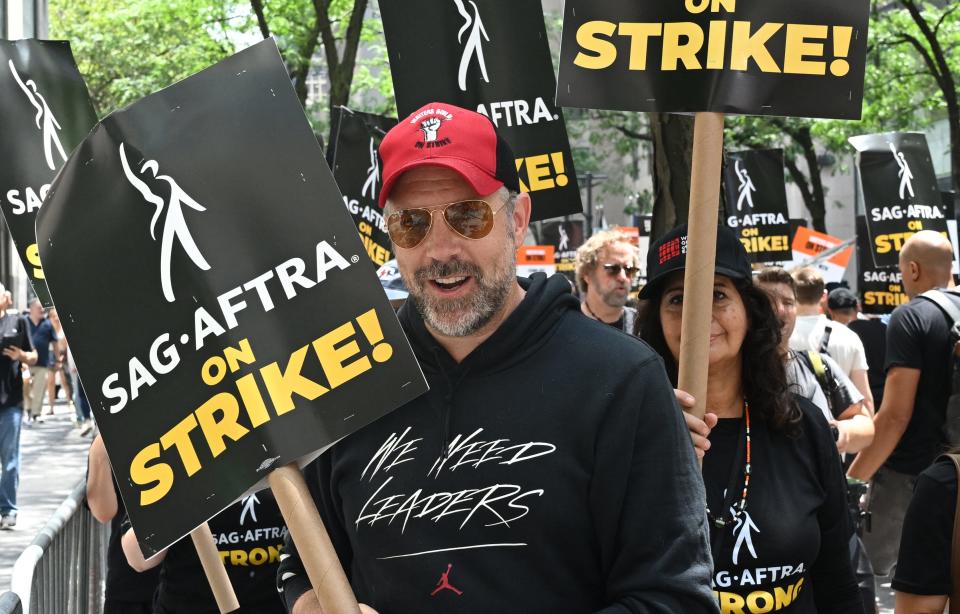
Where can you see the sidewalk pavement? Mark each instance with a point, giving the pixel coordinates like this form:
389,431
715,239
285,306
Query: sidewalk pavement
54,460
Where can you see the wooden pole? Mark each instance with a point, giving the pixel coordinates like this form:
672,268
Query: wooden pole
701,255
214,569
316,551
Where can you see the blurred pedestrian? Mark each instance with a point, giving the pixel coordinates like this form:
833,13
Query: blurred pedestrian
606,268
43,336
844,308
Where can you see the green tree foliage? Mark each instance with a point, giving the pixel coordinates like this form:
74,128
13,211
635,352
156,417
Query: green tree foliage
127,49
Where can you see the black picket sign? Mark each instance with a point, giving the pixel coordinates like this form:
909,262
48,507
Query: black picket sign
881,289
234,322
565,237
754,57
900,191
355,160
45,111
490,56
757,203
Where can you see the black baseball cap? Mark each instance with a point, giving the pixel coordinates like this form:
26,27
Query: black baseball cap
841,298
669,254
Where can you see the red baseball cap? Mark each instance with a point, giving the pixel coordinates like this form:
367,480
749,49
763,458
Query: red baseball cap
440,134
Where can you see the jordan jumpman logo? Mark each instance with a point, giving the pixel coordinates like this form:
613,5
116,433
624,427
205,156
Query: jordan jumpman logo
444,583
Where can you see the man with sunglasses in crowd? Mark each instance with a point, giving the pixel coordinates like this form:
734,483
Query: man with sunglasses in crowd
607,265
548,469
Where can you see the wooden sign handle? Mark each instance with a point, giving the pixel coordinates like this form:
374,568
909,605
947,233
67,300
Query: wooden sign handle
701,256
214,569
316,551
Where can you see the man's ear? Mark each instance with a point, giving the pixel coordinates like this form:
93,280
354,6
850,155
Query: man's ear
521,217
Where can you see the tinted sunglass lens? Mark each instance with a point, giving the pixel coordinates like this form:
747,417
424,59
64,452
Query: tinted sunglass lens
472,219
409,227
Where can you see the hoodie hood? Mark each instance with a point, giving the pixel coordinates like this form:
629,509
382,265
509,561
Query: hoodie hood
530,325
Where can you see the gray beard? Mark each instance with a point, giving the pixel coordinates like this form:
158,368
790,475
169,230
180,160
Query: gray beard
466,315
613,299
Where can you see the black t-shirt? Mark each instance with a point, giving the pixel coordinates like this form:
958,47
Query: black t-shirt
789,551
13,332
918,338
873,334
923,567
249,535
124,583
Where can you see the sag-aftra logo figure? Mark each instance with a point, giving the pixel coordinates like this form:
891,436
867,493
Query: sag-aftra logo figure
46,122
174,224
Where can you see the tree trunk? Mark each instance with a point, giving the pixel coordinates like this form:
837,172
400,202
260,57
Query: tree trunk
817,205
672,152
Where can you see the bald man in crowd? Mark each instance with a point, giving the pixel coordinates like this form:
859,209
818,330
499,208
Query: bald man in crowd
910,422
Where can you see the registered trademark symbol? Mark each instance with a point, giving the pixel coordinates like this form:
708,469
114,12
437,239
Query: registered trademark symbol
355,259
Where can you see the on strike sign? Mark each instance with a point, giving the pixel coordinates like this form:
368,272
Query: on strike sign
757,57
257,332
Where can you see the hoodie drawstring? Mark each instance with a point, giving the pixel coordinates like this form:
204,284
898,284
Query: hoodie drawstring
447,407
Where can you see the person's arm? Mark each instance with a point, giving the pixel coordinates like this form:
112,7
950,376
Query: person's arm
919,604
101,495
643,429
831,575
131,550
862,382
900,391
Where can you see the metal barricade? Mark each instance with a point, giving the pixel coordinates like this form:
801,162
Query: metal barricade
63,570
10,603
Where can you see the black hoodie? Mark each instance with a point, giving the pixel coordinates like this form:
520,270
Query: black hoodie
550,471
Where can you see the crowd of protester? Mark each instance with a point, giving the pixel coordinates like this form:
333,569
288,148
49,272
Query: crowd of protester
808,401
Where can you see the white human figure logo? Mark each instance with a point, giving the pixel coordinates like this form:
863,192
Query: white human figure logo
746,187
249,504
46,122
564,239
743,530
174,225
373,173
906,177
474,45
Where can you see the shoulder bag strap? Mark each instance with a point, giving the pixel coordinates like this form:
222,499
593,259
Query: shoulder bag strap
939,298
955,549
825,340
816,362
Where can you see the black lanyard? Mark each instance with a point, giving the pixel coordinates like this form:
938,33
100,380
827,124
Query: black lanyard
731,494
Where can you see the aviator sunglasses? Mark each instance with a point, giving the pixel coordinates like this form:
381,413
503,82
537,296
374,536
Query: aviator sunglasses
614,269
471,219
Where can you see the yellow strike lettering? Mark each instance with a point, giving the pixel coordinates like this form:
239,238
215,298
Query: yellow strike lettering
224,555
252,400
242,353
523,186
238,558
33,257
753,602
274,554
179,437
674,51
747,46
798,48
605,52
538,173
216,430
332,358
699,6
783,596
717,44
143,474
258,556
883,244
282,386
639,34
796,588
731,603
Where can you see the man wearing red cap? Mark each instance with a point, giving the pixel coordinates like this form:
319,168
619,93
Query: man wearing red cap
548,469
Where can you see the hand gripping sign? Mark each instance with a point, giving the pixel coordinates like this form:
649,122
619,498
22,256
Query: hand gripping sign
45,111
757,57
228,322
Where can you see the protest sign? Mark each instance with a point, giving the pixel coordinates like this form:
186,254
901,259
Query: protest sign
260,333
490,56
900,191
45,111
355,160
757,203
536,259
565,237
757,57
808,244
881,289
